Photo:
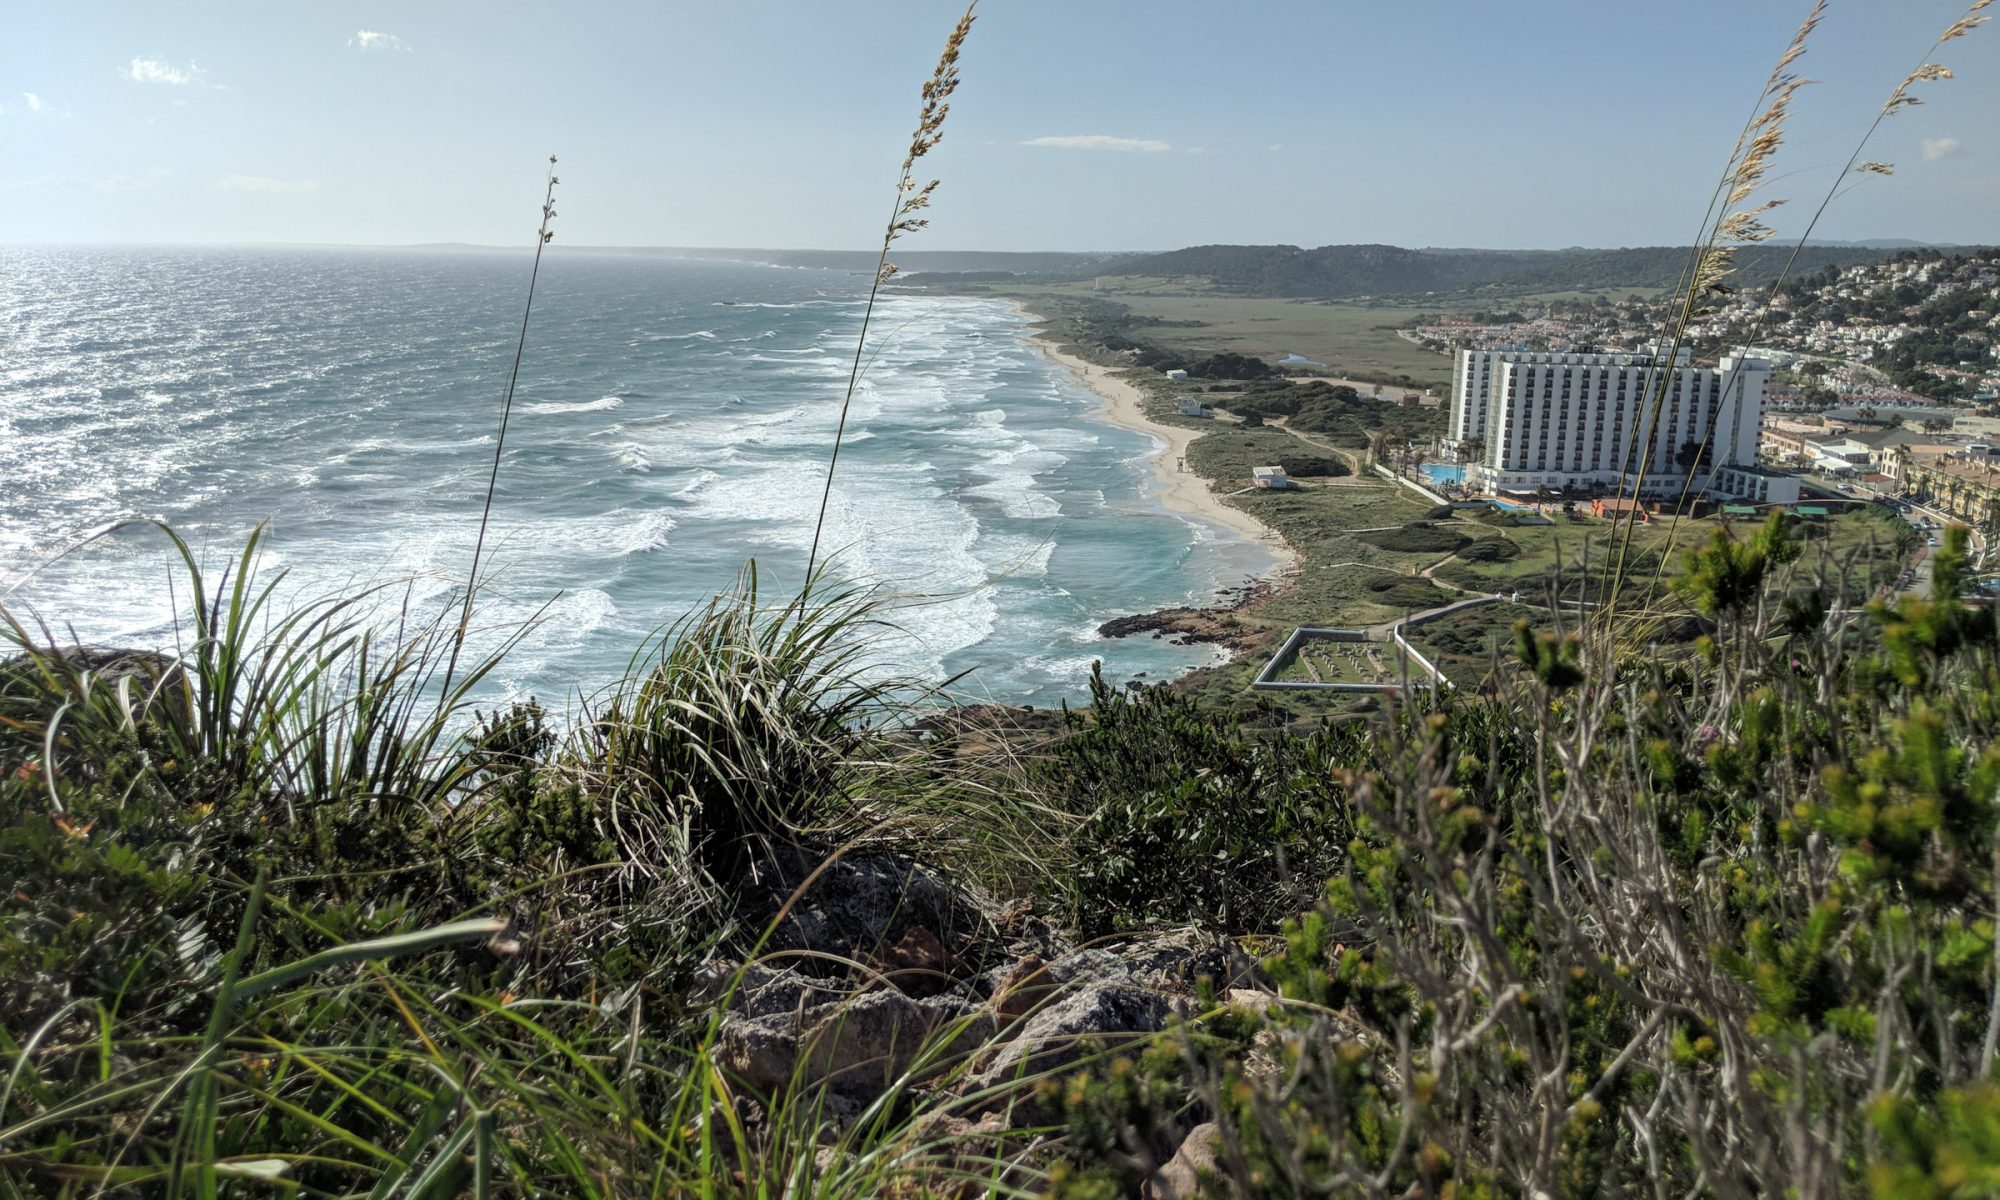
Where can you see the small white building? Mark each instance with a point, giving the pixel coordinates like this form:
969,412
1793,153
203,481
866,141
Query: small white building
1188,406
1177,373
1273,478
1756,484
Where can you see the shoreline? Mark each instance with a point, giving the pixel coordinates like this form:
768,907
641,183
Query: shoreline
1178,491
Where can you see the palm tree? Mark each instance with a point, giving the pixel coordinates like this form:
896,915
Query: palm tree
1472,449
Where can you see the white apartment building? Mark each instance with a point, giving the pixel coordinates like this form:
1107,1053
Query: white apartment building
1560,420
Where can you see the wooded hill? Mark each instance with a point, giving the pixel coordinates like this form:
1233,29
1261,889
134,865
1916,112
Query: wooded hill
1340,272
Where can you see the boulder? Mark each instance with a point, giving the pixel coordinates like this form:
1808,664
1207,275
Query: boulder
1181,1178
865,907
1075,1022
858,1047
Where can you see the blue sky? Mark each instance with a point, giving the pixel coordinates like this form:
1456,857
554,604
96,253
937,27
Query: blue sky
1080,124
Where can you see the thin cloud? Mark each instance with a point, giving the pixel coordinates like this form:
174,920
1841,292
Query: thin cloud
1936,148
130,183
35,103
269,187
38,182
158,70
1274,147
375,39
1102,141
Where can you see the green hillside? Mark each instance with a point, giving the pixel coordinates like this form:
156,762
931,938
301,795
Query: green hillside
1332,272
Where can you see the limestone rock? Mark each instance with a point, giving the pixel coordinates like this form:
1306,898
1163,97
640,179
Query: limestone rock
859,908
858,1046
1076,1022
1180,1179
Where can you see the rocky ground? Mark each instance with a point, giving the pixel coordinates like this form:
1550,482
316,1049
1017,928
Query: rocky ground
885,982
1216,624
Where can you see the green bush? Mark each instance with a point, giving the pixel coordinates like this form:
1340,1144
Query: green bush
1807,806
1184,819
1403,591
1418,537
1311,466
1489,550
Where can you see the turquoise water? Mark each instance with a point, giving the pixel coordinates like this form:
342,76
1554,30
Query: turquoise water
671,423
1443,473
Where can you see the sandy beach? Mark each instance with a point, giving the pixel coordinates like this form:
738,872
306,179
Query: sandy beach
1180,490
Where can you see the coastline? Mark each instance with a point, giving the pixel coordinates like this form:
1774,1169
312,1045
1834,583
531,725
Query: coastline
1179,491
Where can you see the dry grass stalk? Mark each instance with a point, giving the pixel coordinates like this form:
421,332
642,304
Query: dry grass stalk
911,199
1747,171
543,236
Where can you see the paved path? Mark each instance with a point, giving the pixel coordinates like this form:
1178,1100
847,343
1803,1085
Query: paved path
1381,632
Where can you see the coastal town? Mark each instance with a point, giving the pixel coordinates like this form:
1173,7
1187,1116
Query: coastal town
1917,328
1398,514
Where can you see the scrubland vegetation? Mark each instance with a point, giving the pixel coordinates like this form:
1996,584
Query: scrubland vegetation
1715,918
1689,890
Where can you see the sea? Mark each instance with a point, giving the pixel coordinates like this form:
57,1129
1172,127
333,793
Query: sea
671,426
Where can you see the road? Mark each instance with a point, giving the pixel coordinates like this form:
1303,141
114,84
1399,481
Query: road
1918,578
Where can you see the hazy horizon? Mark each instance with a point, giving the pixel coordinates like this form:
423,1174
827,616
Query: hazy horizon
1882,243
1104,128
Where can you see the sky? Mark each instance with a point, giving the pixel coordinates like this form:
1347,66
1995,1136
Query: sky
1079,124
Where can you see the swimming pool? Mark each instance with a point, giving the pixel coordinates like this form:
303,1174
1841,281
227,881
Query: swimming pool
1443,473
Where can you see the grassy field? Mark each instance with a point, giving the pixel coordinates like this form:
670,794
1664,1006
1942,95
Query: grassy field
1353,340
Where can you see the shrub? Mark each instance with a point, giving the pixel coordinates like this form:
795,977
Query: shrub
1403,591
1311,466
1418,537
1489,550
1806,803
1185,820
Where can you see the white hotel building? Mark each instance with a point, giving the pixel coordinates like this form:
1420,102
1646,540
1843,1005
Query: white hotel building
1560,420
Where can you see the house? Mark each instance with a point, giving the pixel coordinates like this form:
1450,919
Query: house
1836,454
1188,406
1619,506
1177,373
1964,484
1273,478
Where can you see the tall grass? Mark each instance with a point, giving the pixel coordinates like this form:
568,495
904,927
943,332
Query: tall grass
543,236
1725,226
911,199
